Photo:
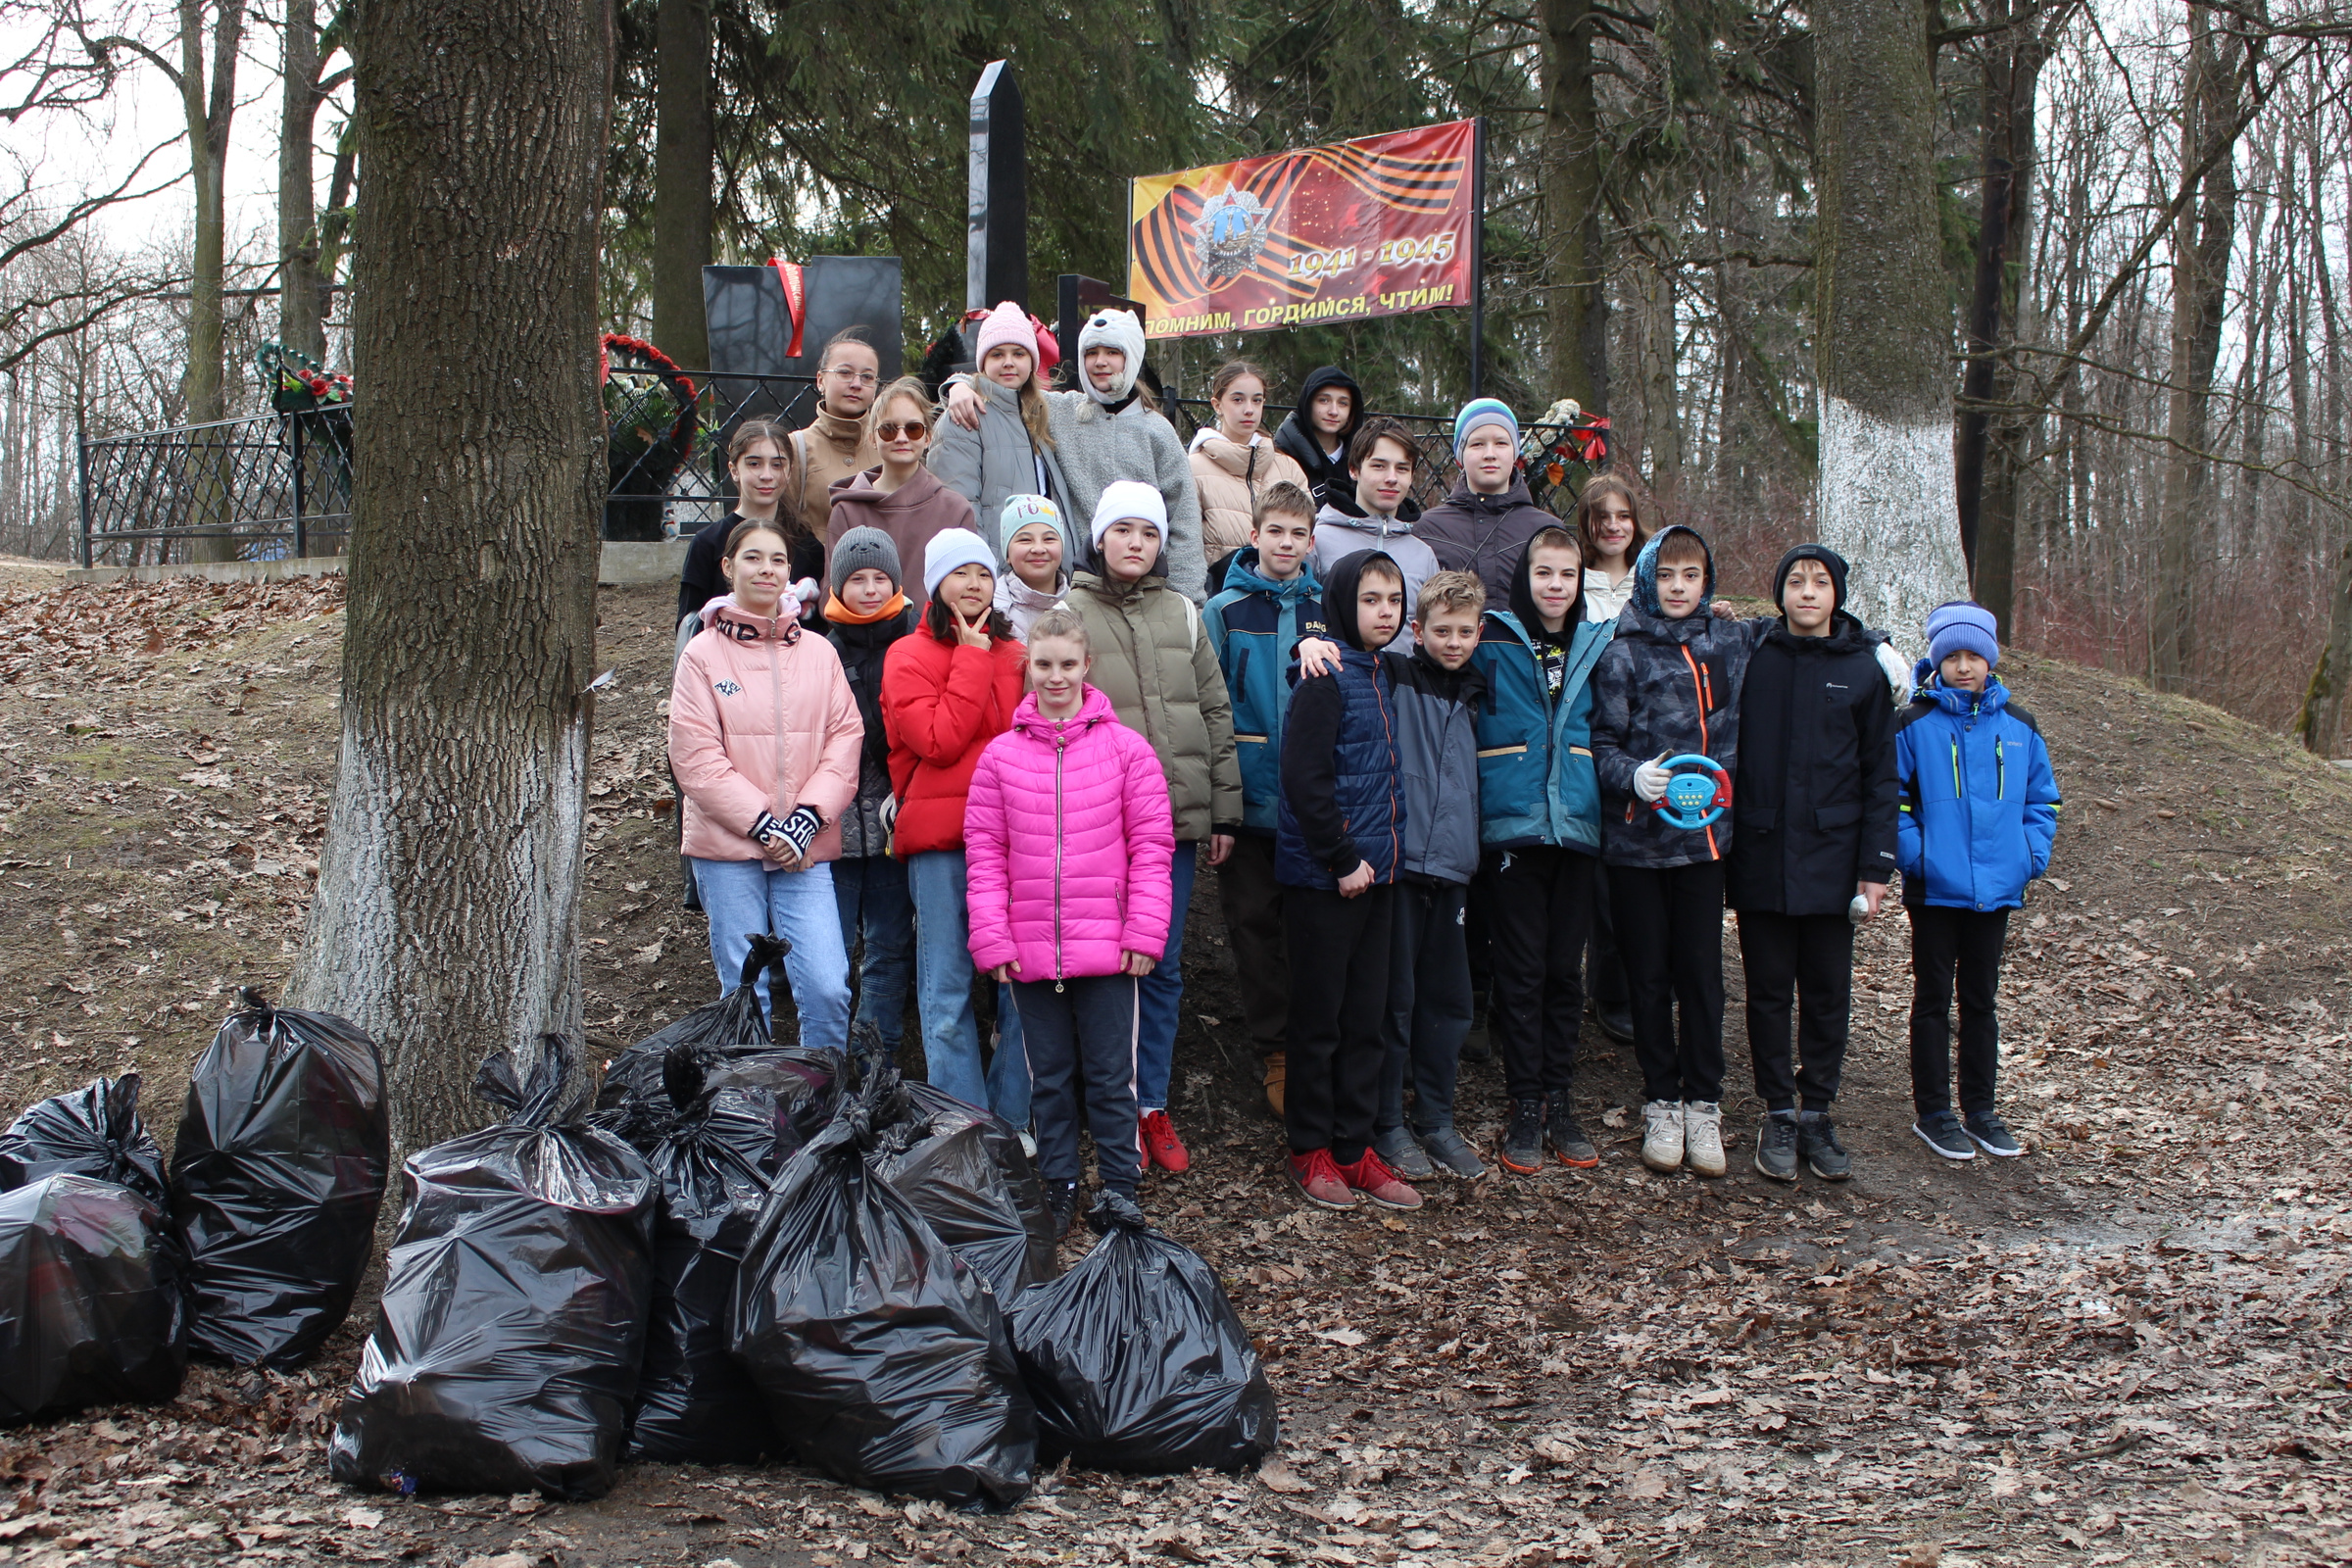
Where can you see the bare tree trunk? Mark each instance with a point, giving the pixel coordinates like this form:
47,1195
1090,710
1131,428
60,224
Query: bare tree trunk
209,102
2321,719
1882,323
2007,436
682,153
301,302
1661,387
447,908
1578,298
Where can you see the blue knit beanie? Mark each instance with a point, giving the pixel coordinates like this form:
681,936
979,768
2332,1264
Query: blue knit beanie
1483,411
1960,626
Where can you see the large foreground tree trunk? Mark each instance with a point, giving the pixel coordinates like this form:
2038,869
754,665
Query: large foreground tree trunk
682,154
447,908
2201,240
1578,298
1883,316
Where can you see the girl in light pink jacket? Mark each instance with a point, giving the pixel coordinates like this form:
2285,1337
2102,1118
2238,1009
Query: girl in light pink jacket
764,736
1067,838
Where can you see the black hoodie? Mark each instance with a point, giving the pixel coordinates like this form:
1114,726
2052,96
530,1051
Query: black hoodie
1343,799
1298,438
1551,647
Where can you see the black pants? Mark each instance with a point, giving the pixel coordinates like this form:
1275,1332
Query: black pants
1791,958
1604,966
1253,903
1339,990
1966,943
1081,1035
1429,1005
1540,903
1669,929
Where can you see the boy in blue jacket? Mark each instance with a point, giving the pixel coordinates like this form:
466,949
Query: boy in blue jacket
1271,600
1540,832
1337,847
1978,813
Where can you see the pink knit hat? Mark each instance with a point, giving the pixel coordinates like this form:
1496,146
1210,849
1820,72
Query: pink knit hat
1006,323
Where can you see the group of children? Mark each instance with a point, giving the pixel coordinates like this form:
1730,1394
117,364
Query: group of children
1423,752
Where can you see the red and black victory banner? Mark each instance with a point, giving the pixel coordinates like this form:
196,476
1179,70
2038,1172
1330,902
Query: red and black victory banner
1375,226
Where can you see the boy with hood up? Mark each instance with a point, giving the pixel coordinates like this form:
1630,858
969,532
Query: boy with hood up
1318,431
1381,460
1669,686
1814,800
1540,831
1338,850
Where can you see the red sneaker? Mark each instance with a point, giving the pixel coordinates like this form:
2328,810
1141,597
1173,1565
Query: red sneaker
1162,1146
1320,1180
1380,1184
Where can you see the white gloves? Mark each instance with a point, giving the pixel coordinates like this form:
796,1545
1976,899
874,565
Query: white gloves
806,590
1649,780
1899,672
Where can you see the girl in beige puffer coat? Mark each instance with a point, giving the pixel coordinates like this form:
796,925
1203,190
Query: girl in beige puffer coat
1234,465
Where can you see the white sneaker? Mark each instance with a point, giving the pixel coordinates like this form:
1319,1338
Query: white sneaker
1662,1136
1703,1137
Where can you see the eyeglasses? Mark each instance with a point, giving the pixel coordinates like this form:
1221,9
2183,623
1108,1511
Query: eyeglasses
914,429
855,377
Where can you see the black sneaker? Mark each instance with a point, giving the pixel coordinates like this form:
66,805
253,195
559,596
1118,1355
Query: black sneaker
1061,1201
1477,1045
1523,1145
1817,1145
1569,1145
1943,1133
1993,1134
1776,1147
1616,1020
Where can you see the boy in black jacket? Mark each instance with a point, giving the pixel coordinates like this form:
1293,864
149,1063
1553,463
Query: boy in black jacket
1814,799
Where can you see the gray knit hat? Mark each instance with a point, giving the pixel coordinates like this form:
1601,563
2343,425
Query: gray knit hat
862,548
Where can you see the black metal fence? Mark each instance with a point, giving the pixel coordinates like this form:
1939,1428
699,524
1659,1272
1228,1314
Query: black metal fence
279,484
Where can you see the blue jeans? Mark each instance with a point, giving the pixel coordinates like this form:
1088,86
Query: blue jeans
1159,993
871,890
943,996
742,897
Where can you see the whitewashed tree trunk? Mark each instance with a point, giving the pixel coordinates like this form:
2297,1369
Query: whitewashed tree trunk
1883,317
446,918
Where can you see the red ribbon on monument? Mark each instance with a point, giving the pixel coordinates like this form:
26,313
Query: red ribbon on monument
795,299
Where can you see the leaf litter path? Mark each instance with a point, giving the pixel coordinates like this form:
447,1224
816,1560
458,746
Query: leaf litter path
2129,1348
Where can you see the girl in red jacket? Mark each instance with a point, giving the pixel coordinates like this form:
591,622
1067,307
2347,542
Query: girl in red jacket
1069,837
948,688
763,738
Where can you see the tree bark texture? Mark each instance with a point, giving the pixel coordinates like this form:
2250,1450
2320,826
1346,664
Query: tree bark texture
1883,317
447,908
301,307
2201,243
208,103
682,159
1579,299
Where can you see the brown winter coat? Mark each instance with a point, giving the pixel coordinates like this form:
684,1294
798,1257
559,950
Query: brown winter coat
829,451
1232,480
910,514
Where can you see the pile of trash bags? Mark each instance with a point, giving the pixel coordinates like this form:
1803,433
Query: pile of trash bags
247,1248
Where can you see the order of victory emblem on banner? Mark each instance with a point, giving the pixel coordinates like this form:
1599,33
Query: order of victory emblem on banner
1375,226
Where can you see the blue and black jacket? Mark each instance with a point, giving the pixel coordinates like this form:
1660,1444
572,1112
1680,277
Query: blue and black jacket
1536,783
1253,625
1343,794
1979,805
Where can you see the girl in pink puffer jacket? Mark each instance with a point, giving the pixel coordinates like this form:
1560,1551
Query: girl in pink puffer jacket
1067,838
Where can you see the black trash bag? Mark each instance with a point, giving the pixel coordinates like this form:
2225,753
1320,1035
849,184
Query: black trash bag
632,1099
882,1356
1136,1361
276,1176
96,1132
512,1329
90,1312
964,1170
693,1405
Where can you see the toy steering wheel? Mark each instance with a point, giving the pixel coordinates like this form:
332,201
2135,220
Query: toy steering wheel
1695,800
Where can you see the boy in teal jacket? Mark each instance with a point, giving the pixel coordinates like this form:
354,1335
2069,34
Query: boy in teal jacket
1977,815
1540,829
1271,600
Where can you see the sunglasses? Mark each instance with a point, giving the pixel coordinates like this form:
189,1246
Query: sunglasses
914,429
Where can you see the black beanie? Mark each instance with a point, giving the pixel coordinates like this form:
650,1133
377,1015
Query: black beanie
1821,552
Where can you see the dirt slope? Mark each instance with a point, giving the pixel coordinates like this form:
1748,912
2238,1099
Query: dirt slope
2127,1348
